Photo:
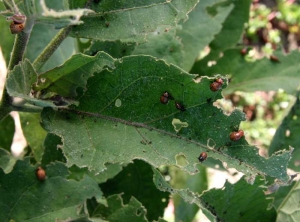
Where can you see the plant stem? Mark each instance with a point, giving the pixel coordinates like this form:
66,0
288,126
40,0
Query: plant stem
50,48
20,44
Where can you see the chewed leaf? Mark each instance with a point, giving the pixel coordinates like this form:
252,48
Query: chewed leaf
129,21
99,132
47,203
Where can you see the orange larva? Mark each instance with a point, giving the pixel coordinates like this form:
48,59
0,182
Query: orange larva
235,136
40,174
274,58
16,28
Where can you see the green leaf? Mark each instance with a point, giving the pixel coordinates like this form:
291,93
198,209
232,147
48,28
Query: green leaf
52,150
116,210
289,208
40,37
253,76
188,196
238,202
287,134
66,79
111,171
25,198
7,129
197,183
6,38
34,133
230,34
19,84
181,46
121,109
136,180
129,21
7,161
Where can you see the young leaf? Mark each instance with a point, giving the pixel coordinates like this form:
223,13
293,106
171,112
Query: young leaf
122,109
135,180
287,134
129,22
51,199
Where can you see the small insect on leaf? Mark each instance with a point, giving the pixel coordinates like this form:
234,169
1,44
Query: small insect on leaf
164,100
202,157
168,95
16,28
40,174
179,106
215,86
244,51
274,58
235,136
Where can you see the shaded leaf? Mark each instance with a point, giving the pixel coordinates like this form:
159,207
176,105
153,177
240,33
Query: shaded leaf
238,202
7,129
287,135
40,37
121,109
135,180
188,196
282,194
230,34
52,150
116,210
253,76
52,199
7,161
197,183
182,44
34,133
129,22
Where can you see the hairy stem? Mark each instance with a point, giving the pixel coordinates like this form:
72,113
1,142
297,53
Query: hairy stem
20,44
50,48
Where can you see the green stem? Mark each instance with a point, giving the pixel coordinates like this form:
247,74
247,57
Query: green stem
50,48
20,44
